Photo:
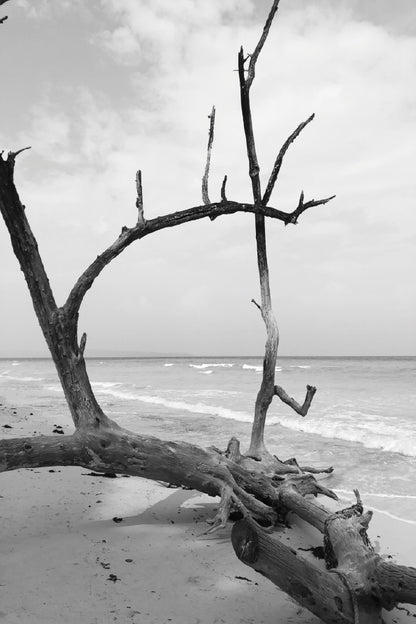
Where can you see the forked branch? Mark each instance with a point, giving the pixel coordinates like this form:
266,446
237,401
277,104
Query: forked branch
302,206
265,394
268,389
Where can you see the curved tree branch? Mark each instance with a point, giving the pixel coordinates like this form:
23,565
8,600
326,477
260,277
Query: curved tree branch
129,235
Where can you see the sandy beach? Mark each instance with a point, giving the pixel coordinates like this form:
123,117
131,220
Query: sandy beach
82,548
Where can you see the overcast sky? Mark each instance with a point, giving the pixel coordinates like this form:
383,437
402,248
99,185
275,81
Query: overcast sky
100,89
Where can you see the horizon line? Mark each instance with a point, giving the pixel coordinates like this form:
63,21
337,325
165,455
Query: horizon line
190,356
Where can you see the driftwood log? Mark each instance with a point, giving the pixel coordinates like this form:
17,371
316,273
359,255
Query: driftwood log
356,583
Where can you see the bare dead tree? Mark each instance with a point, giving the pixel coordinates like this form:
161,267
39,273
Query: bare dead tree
262,491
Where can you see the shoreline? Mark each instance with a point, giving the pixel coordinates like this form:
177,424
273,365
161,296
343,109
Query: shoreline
64,558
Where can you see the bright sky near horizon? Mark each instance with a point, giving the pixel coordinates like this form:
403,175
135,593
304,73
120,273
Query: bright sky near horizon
102,88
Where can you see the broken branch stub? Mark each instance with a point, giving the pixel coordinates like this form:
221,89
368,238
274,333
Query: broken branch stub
303,409
139,199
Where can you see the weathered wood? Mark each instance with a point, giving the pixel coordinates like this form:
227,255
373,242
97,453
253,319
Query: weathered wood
306,509
267,389
266,392
114,449
349,552
375,583
320,591
394,583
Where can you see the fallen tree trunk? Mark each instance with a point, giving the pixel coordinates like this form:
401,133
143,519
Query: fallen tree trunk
357,583
114,449
324,594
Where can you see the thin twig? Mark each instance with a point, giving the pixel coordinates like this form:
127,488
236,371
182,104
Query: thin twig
256,304
260,44
280,156
205,196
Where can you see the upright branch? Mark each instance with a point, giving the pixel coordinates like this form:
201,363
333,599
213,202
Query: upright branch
205,196
267,390
265,394
139,198
24,243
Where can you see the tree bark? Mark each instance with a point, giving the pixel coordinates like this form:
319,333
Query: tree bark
266,392
114,449
323,593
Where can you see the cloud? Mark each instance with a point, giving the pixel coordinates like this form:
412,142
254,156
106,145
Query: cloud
49,132
47,9
348,261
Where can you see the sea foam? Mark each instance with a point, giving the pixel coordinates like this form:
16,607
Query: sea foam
258,369
389,438
15,378
196,408
213,365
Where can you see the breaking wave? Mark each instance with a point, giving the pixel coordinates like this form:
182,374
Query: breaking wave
213,365
259,369
15,378
376,495
356,427
196,408
350,426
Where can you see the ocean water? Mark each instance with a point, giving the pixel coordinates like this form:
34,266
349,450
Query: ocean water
362,420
